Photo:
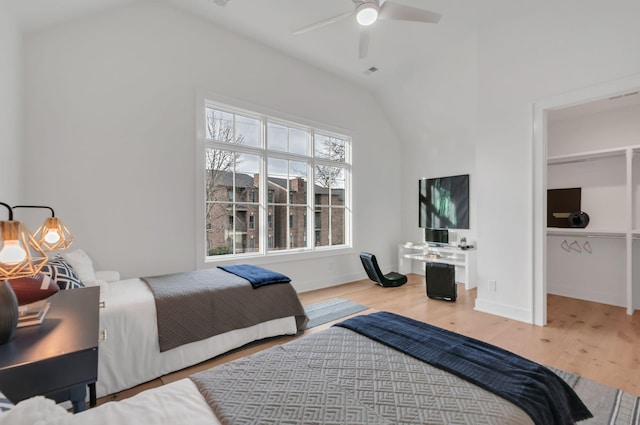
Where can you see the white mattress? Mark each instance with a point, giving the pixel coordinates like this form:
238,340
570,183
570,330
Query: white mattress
130,354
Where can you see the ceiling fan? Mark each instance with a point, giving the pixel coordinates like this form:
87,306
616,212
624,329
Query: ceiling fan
367,12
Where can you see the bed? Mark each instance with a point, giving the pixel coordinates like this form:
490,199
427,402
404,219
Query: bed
340,376
131,354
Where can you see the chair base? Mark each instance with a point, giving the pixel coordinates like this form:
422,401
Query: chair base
393,280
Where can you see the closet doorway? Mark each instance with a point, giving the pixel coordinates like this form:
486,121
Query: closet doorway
587,141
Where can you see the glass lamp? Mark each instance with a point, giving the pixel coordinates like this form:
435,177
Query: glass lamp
20,256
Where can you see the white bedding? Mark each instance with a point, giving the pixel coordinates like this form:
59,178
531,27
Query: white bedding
130,354
176,403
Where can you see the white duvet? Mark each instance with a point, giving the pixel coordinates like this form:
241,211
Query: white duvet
177,403
130,354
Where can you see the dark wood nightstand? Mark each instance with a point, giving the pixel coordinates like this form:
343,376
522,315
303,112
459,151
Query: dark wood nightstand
58,358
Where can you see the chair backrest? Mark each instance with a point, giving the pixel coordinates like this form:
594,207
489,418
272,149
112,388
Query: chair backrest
371,266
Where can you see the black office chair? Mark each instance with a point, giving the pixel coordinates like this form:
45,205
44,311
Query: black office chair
388,280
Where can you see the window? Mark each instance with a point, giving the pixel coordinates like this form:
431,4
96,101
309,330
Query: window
260,168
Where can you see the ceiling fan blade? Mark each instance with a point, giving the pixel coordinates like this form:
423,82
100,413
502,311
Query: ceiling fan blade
363,46
400,12
322,23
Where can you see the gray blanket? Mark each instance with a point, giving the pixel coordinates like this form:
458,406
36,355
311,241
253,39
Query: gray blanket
196,305
340,377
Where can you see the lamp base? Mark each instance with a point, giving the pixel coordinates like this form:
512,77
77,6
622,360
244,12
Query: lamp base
8,312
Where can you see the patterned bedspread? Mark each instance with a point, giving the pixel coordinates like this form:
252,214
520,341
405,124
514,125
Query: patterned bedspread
196,305
340,377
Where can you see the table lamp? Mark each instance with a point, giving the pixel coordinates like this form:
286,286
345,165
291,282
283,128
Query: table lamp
52,235
20,256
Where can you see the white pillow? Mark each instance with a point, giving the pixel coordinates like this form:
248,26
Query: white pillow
81,263
36,411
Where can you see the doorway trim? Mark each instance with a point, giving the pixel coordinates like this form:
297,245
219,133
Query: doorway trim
539,178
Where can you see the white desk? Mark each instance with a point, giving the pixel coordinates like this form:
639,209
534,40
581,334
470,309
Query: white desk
463,259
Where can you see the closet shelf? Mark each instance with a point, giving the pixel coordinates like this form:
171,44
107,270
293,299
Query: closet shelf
573,232
587,156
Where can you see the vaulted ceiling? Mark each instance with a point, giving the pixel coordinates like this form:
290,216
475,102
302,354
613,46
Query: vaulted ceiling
397,49
394,45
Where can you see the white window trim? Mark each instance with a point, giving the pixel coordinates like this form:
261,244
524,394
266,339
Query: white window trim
203,100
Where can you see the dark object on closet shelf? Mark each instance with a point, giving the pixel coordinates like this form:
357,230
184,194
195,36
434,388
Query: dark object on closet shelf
579,219
560,204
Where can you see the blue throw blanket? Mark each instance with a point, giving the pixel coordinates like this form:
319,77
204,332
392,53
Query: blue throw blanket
544,396
257,276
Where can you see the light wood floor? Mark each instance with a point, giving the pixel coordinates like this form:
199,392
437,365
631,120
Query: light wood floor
597,341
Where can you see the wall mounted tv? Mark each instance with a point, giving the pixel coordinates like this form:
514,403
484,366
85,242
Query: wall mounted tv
444,202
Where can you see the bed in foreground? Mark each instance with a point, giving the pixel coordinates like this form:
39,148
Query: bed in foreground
161,324
340,376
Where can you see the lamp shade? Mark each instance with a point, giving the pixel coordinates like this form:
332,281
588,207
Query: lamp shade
53,235
20,254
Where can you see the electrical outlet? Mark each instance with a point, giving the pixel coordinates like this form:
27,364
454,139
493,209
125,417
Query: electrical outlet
492,285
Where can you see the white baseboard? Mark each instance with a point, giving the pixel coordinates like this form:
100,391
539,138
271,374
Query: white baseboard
504,310
327,282
602,297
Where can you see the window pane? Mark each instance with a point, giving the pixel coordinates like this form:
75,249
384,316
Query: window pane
321,216
218,229
322,179
337,186
337,226
219,125
298,141
338,150
247,177
218,174
278,227
247,131
278,184
329,177
252,236
297,227
327,147
322,146
298,175
253,243
276,137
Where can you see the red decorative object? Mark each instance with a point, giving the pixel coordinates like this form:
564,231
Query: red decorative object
33,288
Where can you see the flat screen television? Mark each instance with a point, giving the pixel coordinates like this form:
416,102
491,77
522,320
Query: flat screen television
436,236
444,202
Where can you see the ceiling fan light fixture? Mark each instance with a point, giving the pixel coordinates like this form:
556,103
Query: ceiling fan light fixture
367,14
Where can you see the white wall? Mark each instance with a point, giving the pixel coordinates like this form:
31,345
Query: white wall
610,129
110,114
10,110
571,45
438,105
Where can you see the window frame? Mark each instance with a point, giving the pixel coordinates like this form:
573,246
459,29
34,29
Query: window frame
205,101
